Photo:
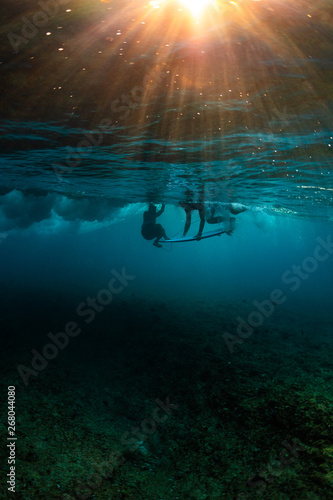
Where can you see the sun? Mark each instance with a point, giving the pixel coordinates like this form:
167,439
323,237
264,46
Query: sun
196,6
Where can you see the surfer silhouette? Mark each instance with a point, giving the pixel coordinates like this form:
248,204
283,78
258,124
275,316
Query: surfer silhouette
150,229
212,213
189,208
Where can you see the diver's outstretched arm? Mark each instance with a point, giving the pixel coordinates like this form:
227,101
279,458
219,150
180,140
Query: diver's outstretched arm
160,212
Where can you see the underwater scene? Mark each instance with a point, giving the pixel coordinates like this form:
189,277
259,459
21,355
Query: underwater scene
166,249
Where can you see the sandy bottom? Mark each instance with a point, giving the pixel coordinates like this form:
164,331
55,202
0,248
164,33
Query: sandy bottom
148,403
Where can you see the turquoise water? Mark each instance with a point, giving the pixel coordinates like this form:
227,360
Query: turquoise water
106,109
284,171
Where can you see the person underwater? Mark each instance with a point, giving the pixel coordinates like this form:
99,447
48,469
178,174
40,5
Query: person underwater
189,208
212,213
150,229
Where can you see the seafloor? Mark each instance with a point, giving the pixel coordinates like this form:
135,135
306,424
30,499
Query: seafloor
253,424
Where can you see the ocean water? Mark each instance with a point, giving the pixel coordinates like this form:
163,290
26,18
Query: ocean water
187,370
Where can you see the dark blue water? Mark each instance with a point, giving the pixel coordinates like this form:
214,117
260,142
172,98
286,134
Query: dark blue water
99,327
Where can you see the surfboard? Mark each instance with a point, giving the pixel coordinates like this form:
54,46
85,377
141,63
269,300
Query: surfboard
208,234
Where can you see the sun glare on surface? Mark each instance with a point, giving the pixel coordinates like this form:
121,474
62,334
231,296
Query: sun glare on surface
196,6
